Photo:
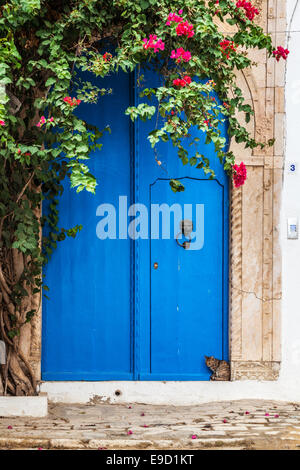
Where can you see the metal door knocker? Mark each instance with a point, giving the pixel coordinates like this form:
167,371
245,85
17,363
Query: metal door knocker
186,228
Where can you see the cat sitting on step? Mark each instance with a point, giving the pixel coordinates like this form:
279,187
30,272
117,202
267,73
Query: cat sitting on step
221,369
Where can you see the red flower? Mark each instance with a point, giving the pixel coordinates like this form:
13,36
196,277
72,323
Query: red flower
186,80
250,10
227,47
239,175
71,101
280,52
107,57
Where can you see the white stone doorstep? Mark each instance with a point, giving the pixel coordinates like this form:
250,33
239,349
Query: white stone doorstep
169,393
36,407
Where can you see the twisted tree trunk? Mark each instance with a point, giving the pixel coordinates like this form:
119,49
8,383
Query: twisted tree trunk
22,338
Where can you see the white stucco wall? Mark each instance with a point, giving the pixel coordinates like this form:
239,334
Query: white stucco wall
290,374
288,385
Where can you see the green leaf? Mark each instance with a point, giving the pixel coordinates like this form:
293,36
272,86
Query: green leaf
50,81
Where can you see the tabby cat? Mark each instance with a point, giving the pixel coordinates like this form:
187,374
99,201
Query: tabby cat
221,369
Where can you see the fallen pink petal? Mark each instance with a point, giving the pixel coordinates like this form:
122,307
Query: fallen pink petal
194,436
9,427
267,414
129,433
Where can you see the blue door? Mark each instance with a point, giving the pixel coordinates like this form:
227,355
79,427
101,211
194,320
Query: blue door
147,308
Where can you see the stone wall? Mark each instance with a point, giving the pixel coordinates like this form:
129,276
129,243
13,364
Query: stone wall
255,317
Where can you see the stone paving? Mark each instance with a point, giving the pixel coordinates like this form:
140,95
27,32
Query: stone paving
222,425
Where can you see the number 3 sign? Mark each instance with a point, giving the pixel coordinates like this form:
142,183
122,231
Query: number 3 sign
292,168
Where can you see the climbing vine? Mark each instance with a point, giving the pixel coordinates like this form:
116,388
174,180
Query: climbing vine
44,45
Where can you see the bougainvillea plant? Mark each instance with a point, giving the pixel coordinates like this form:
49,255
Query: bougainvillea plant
43,45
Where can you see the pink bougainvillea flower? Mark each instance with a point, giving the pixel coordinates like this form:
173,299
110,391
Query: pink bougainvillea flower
40,448
129,432
184,28
42,121
250,10
181,54
2,123
9,427
173,17
51,119
145,426
153,43
280,52
194,436
239,174
267,414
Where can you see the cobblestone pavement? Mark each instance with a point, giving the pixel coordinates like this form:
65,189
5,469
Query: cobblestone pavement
222,425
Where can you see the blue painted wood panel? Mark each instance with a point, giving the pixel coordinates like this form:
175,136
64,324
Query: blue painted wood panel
87,321
183,304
